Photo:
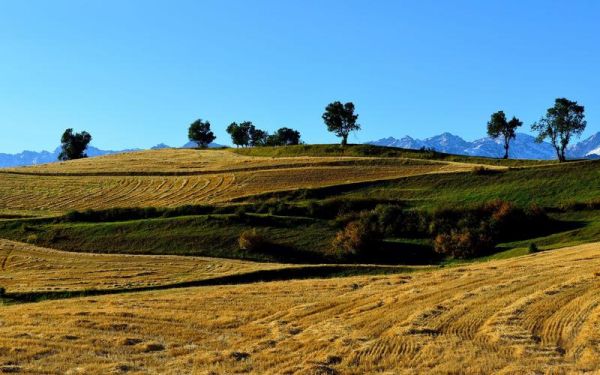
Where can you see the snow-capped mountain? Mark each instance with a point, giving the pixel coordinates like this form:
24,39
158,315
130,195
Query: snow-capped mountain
522,147
587,147
33,157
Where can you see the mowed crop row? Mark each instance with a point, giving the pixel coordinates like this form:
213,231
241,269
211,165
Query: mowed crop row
189,162
27,268
533,314
24,192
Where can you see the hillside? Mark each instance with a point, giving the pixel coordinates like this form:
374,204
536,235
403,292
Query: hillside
533,314
190,202
133,263
171,177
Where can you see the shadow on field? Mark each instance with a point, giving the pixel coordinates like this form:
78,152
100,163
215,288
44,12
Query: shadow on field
284,274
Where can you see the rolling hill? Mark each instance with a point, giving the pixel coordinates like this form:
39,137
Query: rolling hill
132,263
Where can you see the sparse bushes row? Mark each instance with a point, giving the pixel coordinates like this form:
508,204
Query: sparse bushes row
580,206
458,233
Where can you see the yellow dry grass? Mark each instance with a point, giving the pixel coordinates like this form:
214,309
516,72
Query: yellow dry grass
206,177
534,314
27,268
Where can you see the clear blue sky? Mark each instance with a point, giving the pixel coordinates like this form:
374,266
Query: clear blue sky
136,73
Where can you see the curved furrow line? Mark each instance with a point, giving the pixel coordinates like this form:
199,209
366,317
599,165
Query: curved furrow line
565,324
230,185
185,194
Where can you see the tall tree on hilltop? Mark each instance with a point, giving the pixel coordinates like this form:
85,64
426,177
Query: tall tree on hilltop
341,120
239,136
200,133
284,137
561,122
258,137
246,134
499,127
73,145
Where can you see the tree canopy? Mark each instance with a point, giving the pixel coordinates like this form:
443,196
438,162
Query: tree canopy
258,137
499,127
240,133
561,122
284,137
341,120
200,133
73,145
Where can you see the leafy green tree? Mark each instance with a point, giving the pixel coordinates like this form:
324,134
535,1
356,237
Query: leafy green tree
239,133
286,136
341,120
200,133
73,145
563,121
499,127
258,137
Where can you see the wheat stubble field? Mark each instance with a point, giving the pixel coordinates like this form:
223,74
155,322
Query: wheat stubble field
537,313
169,178
533,314
27,268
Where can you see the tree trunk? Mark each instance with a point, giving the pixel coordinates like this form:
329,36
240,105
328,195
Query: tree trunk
558,155
344,140
506,150
563,157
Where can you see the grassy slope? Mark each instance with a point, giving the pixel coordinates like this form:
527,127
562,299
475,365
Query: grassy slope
298,240
549,186
378,151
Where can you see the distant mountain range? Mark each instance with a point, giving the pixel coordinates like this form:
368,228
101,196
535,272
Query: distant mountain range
522,147
42,157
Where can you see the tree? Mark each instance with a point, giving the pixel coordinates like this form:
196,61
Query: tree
258,137
200,133
73,145
341,120
286,136
498,126
246,134
563,121
239,133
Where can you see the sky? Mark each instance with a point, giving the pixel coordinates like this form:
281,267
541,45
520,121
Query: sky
137,73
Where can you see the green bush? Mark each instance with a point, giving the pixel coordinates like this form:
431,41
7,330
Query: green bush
533,248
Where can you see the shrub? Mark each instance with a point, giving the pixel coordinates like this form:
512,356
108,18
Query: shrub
250,240
394,221
533,248
32,238
465,243
483,171
356,238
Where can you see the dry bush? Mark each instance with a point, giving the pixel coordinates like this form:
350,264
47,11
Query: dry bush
464,243
354,239
251,240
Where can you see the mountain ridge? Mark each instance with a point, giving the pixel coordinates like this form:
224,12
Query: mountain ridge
524,146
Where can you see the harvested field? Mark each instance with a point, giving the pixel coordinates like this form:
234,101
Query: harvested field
68,186
534,314
27,268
